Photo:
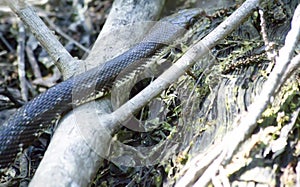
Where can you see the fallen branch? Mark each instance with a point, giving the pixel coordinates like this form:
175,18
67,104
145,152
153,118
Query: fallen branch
75,159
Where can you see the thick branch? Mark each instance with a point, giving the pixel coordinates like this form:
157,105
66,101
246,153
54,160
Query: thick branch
63,161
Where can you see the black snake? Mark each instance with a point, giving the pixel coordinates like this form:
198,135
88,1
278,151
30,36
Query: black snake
20,130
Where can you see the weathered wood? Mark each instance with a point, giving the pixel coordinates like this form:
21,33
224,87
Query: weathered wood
69,158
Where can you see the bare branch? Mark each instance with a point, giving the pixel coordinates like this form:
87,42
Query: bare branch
270,52
21,62
293,66
33,62
63,34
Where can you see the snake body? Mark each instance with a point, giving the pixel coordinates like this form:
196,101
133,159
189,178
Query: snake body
22,128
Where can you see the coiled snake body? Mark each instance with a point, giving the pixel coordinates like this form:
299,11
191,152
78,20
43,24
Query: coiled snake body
20,130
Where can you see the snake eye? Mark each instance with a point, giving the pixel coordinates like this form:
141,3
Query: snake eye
192,21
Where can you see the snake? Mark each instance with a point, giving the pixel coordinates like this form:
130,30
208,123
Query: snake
23,127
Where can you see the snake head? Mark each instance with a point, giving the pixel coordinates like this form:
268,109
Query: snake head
185,18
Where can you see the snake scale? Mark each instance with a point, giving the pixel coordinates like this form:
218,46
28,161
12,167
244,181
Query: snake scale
22,128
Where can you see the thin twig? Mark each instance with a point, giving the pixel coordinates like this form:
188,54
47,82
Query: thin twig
63,34
269,45
6,43
4,91
21,62
293,66
3,53
34,64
